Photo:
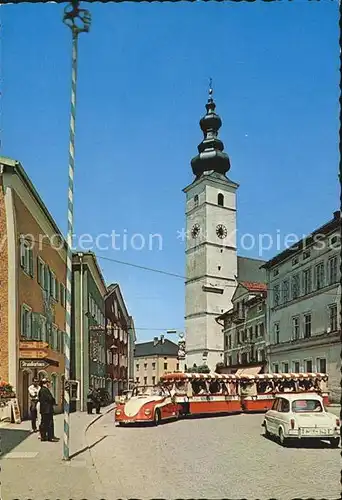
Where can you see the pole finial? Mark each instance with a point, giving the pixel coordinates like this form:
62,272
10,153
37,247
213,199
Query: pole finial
210,87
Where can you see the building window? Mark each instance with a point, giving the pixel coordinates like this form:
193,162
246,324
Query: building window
307,281
261,329
229,342
256,331
259,309
145,380
165,366
276,333
26,322
319,276
229,361
322,365
137,367
308,365
261,356
244,335
177,367
54,338
295,328
145,366
62,293
275,368
332,270
26,257
276,272
295,260
53,286
285,291
295,286
153,380
196,200
41,272
333,317
285,368
153,366
43,329
307,325
220,200
250,333
296,367
137,380
306,255
276,295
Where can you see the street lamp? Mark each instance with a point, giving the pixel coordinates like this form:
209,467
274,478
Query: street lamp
181,347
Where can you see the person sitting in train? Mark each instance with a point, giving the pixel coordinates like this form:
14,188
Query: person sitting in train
269,388
214,387
224,388
202,388
288,386
301,385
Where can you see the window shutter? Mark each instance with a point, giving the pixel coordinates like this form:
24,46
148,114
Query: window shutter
56,291
46,278
51,283
22,329
22,253
31,268
39,276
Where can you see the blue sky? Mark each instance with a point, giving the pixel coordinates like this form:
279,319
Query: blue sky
143,79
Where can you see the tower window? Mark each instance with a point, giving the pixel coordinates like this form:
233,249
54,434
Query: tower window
219,268
196,200
220,199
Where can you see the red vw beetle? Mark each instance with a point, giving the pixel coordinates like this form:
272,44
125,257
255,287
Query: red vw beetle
148,404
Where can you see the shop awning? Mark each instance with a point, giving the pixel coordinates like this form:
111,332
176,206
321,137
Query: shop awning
250,370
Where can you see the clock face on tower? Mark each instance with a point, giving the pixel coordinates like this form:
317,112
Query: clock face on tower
221,231
195,230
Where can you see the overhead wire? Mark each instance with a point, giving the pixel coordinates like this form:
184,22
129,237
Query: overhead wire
175,275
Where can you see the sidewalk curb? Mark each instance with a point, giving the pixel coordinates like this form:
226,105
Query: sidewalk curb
89,424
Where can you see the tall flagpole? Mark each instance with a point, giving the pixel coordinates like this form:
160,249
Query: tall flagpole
78,20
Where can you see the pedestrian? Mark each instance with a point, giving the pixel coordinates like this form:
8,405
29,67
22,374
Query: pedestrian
47,402
33,394
97,401
90,400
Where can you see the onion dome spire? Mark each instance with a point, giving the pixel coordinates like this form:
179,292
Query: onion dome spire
211,156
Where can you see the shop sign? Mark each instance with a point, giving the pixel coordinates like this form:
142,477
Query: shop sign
33,363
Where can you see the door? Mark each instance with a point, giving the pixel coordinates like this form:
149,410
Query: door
25,408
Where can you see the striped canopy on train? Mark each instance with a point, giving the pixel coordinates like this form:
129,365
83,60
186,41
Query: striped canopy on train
177,377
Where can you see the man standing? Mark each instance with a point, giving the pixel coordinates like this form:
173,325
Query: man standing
33,394
47,402
90,400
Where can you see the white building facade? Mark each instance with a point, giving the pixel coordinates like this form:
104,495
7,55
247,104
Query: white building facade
211,256
304,306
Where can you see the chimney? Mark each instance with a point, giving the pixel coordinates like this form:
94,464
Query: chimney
155,341
162,339
337,214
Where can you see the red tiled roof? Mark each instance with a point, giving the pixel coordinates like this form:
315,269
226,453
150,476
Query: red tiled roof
254,287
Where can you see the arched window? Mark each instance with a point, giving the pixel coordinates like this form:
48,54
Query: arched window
220,199
196,200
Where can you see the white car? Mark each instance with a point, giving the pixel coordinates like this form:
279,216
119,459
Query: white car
301,416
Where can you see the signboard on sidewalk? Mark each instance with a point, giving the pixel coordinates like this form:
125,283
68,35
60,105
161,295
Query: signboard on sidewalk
15,410
33,363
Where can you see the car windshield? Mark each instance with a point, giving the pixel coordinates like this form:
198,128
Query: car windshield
306,405
148,391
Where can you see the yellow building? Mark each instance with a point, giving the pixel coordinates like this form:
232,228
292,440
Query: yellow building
152,359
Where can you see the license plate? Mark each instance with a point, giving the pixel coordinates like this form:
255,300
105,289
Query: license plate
316,432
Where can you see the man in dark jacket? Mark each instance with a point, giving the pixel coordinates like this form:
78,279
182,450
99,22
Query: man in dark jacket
47,402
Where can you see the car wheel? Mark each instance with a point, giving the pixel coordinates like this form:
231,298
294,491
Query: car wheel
282,439
157,417
266,431
335,442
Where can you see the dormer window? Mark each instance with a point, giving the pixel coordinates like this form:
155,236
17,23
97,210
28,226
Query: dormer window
220,200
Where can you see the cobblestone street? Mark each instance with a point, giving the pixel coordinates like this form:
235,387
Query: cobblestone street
223,457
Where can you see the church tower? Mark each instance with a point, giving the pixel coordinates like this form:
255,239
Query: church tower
211,257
